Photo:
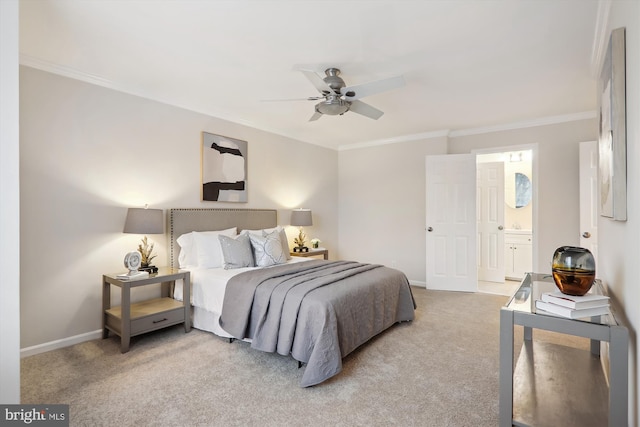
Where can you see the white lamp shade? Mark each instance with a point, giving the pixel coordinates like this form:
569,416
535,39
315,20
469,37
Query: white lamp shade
301,217
144,221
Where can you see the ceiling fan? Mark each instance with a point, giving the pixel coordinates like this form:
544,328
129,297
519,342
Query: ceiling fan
338,98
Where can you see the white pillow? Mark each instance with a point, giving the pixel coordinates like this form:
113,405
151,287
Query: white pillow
187,257
283,238
211,253
267,249
259,232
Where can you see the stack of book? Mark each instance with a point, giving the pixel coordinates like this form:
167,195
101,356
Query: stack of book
573,307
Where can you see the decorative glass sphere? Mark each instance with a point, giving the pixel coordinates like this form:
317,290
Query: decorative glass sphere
574,270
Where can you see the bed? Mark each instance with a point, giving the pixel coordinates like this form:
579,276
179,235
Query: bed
316,311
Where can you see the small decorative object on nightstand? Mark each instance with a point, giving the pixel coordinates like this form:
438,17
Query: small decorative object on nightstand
132,263
315,243
128,320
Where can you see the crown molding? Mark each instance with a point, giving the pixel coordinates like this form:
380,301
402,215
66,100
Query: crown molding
40,64
395,140
600,39
543,121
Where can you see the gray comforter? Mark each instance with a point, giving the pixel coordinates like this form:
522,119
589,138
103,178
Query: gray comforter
317,311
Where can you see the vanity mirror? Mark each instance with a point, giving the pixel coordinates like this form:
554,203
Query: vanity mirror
517,190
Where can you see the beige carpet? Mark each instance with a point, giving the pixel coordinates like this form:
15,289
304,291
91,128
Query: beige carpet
439,370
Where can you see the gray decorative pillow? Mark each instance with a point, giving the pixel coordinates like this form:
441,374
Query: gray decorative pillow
283,237
267,249
236,252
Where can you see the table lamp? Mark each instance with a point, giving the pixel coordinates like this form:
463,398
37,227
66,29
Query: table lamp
301,218
145,221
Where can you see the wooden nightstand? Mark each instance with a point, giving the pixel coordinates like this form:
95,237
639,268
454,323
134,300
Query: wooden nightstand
313,252
128,320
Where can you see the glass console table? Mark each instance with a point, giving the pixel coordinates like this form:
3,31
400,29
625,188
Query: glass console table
557,385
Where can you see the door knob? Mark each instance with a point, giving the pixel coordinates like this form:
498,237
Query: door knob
500,227
430,229
586,234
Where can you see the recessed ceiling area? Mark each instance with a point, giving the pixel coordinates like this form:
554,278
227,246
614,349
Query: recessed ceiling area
466,64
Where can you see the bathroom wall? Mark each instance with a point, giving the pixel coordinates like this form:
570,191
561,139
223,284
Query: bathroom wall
517,218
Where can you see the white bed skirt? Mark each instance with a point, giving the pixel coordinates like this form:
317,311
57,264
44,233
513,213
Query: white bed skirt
208,321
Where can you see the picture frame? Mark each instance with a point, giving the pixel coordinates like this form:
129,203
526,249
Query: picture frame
223,168
612,137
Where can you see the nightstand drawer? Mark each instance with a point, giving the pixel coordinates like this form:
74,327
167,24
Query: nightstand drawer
156,321
147,315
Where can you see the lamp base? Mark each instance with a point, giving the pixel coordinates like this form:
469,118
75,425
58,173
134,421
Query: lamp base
300,249
151,269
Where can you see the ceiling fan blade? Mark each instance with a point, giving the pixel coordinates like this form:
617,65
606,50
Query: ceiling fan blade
315,116
365,109
317,82
310,98
360,91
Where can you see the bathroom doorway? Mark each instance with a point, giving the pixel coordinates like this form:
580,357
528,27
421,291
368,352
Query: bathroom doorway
505,215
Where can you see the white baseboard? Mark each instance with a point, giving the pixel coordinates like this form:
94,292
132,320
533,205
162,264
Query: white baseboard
417,283
65,342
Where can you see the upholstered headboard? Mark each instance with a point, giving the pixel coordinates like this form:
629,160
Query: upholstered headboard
202,219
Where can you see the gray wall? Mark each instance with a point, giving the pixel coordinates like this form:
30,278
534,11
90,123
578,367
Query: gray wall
382,204
618,240
88,153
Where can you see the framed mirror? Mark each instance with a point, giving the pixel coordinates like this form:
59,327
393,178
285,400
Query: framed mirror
517,190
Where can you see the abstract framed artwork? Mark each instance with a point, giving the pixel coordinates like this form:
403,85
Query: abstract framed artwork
224,168
612,137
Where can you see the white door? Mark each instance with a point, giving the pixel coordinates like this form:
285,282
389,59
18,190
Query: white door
451,222
589,197
490,216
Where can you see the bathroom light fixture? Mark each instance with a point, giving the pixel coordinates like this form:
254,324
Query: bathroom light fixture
515,157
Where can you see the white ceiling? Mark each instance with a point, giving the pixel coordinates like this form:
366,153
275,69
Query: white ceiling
467,63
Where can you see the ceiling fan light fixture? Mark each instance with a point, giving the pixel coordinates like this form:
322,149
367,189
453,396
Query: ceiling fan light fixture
333,106
340,98
333,80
